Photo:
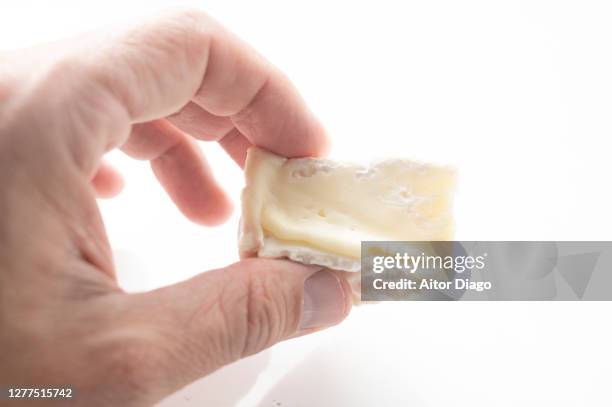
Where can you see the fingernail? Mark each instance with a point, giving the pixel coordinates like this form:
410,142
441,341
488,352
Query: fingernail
324,301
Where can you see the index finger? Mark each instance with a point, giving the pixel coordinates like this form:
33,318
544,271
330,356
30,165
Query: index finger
157,68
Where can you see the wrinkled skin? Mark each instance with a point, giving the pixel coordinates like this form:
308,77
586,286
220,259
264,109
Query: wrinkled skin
149,90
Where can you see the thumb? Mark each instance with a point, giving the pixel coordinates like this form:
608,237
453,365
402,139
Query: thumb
220,316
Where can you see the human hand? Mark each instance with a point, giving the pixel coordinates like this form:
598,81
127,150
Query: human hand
147,90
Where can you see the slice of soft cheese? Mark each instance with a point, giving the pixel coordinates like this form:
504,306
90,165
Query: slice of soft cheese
317,211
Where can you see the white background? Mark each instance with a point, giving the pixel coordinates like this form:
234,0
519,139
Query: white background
516,94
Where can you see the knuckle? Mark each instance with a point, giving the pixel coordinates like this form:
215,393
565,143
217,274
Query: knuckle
89,106
70,77
160,52
74,102
78,81
191,27
190,15
271,309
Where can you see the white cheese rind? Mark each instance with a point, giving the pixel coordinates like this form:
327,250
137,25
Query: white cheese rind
317,211
274,248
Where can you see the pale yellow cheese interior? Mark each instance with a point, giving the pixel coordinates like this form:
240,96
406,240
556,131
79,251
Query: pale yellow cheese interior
332,207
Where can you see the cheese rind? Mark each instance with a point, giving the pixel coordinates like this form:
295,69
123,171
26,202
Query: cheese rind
317,211
301,253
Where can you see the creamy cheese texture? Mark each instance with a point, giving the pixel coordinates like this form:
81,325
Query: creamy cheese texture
317,211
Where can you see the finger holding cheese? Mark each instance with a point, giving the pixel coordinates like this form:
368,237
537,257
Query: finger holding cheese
317,211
